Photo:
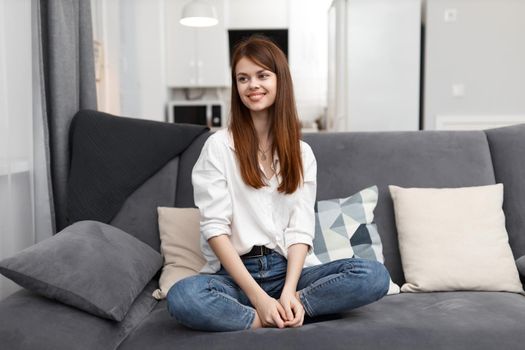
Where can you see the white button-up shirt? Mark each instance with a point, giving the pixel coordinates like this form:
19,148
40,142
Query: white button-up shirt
250,216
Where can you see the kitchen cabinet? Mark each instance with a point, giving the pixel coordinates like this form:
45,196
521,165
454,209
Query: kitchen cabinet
196,57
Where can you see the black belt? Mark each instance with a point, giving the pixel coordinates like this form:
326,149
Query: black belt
258,250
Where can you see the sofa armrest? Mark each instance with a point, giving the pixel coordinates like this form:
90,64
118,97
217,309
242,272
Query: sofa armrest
520,262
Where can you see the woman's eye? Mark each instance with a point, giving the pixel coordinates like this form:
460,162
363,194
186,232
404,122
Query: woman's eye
241,79
264,76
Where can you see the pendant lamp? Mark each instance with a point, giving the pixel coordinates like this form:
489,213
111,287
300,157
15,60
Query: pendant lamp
198,13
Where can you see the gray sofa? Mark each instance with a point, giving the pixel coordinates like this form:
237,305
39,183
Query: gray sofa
347,163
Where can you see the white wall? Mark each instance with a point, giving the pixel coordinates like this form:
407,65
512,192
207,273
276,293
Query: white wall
268,14
306,21
142,70
308,56
481,51
378,61
16,209
196,57
132,34
106,30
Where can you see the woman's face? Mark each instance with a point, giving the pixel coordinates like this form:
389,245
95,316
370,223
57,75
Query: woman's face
257,86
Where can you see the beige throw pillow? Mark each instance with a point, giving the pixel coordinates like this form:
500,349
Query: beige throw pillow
454,239
180,246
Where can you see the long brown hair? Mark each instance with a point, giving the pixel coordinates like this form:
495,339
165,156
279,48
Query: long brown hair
284,121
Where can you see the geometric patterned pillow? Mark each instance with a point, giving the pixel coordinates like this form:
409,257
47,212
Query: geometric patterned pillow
344,228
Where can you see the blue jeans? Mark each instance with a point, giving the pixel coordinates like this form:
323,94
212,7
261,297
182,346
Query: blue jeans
214,302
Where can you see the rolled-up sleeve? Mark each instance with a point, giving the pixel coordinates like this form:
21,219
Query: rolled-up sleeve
211,192
301,227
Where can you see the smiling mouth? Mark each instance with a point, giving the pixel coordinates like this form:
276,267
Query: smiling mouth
256,94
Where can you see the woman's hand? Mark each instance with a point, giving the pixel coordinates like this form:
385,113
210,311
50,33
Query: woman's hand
293,308
270,312
289,297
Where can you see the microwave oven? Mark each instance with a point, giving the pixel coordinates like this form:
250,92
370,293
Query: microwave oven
209,113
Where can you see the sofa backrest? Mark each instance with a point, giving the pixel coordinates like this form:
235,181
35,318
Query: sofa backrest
507,148
349,162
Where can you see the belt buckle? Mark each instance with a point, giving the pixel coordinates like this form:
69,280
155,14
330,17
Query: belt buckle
261,252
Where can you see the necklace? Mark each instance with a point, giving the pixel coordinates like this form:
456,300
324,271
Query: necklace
263,153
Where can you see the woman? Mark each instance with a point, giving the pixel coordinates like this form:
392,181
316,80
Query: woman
255,186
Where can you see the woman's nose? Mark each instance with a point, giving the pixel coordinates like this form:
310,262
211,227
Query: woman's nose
253,84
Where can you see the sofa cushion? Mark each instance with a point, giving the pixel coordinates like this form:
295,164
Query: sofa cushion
440,320
180,246
138,214
348,162
446,236
89,265
29,321
344,228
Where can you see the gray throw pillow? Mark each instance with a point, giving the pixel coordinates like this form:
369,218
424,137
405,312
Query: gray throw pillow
95,267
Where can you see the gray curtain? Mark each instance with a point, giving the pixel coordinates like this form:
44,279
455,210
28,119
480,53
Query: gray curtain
44,222
67,78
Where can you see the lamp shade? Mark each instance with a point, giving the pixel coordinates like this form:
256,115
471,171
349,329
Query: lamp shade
198,13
